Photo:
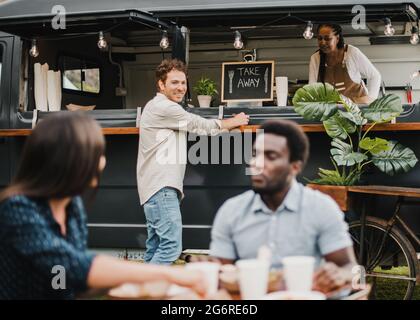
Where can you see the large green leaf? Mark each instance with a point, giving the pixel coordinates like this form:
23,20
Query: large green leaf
339,125
354,114
396,159
316,101
375,145
333,177
383,109
344,155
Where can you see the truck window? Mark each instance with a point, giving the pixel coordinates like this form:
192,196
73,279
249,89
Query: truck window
80,75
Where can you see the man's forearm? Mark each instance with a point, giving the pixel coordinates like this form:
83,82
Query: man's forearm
107,272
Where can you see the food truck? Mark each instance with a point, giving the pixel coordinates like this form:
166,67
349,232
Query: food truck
100,57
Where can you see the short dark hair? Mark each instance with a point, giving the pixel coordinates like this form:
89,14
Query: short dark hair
297,140
60,158
167,66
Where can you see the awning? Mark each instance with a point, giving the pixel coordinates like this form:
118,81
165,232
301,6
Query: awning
32,18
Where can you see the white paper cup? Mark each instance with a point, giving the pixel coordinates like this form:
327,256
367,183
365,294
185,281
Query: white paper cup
282,90
298,272
211,272
253,278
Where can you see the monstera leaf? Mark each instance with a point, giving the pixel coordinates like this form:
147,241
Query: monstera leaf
344,155
383,109
316,101
333,177
339,125
395,160
354,114
374,146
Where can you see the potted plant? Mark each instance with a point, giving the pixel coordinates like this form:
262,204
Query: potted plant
353,147
205,89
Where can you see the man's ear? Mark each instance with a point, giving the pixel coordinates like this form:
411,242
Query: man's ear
161,85
296,167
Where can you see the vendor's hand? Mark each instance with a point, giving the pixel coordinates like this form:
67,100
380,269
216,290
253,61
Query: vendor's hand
363,100
240,119
330,277
193,279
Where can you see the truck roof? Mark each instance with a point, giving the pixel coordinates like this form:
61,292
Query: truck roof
11,9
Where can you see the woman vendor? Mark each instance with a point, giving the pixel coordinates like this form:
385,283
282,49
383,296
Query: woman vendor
343,66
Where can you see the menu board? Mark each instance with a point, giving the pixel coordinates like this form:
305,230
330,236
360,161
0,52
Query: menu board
247,81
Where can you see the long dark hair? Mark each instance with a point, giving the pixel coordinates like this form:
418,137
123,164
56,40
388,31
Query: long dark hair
60,158
338,31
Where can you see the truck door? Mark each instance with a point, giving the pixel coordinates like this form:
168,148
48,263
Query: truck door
6,46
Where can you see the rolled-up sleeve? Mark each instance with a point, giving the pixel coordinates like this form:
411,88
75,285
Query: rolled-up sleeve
222,244
42,248
313,68
368,70
333,229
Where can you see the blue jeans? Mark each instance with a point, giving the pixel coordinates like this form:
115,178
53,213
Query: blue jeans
164,227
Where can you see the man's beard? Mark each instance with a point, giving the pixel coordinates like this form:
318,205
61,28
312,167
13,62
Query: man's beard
271,189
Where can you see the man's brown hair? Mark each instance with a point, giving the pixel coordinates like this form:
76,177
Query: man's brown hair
167,66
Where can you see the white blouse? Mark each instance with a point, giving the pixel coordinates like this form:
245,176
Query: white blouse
358,66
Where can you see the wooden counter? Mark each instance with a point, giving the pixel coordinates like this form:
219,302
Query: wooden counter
404,126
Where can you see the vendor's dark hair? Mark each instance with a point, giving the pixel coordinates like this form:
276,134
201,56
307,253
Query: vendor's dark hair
297,140
60,158
338,31
167,66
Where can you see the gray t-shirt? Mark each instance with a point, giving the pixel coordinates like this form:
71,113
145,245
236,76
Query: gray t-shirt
306,223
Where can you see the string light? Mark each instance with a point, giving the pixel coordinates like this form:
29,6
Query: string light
414,39
389,29
164,42
34,49
102,44
308,33
238,43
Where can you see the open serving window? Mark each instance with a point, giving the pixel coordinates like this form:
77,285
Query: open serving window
105,55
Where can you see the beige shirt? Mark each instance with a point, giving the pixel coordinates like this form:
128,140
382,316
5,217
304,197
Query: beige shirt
162,154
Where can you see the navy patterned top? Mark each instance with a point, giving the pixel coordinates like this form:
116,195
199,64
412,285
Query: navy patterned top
36,260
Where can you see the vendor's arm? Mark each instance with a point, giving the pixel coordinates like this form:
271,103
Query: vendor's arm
314,68
368,71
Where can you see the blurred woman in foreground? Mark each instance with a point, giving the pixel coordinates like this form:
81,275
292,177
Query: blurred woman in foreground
43,232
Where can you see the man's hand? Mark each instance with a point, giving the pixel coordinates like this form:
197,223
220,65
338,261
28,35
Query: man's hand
240,119
330,277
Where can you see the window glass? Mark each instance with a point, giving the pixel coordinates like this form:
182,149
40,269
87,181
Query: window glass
80,74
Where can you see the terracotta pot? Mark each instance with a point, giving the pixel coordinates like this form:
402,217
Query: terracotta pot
204,101
338,193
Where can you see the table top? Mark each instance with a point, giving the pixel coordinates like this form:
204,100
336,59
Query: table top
386,190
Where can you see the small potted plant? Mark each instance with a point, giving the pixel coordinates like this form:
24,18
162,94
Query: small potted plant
352,145
205,89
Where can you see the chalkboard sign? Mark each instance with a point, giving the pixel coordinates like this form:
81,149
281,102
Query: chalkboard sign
247,81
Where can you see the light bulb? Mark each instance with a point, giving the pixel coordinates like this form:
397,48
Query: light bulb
308,33
164,42
34,49
238,44
102,44
389,29
414,39
415,75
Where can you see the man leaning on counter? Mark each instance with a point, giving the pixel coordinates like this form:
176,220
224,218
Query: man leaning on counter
164,125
